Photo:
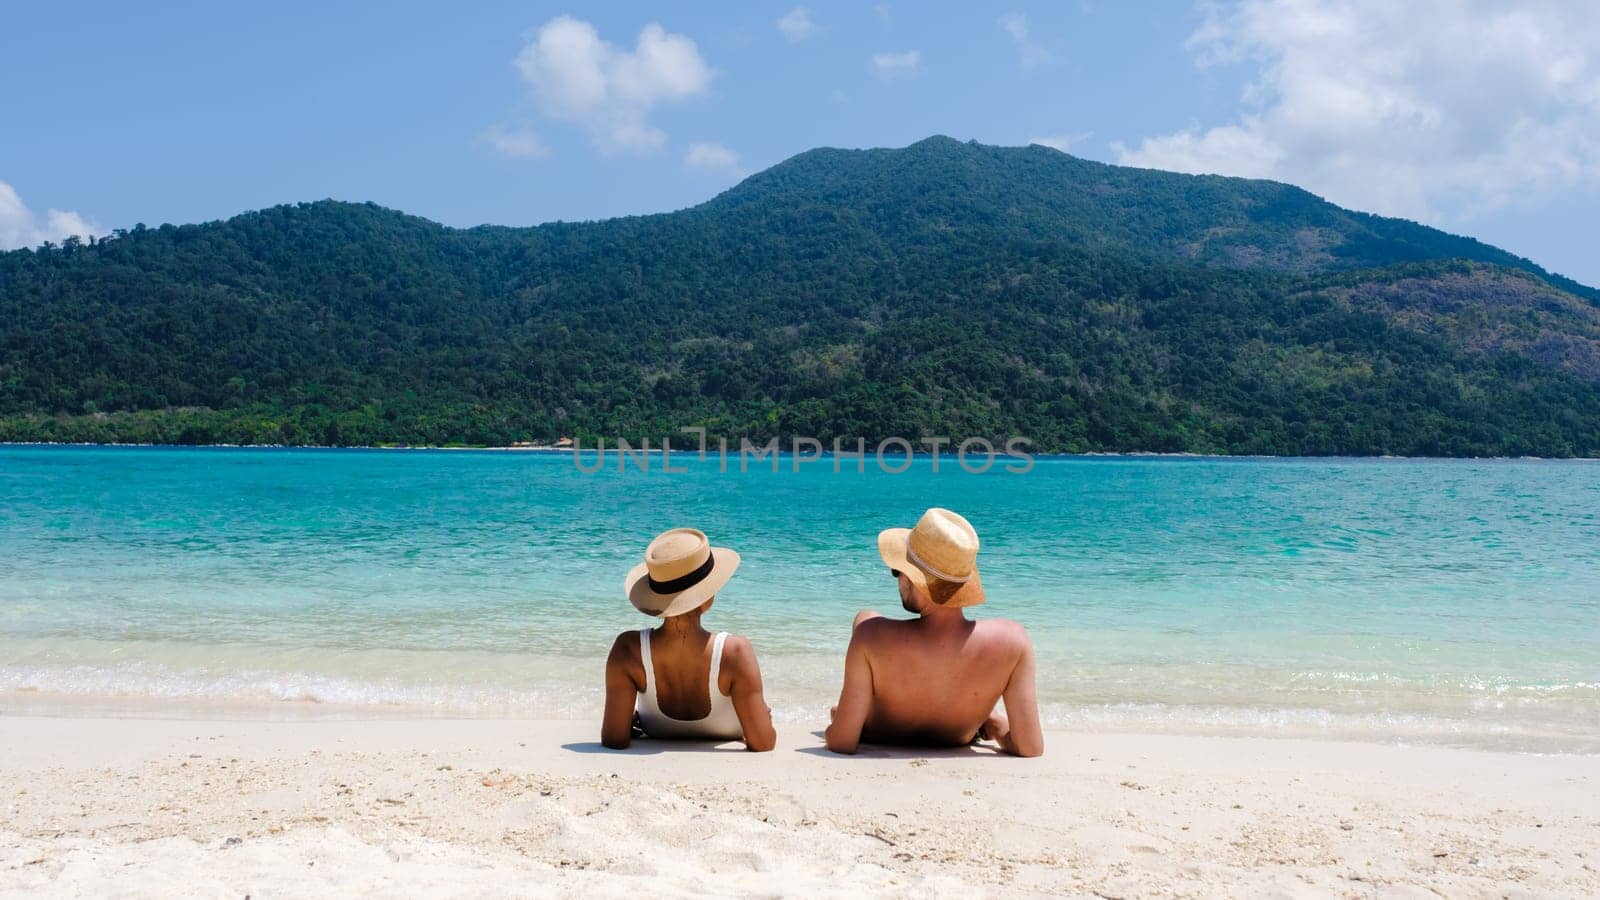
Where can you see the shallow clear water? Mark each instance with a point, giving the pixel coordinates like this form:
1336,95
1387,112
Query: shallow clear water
1449,601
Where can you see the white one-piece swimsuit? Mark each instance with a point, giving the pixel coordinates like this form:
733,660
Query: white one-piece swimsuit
721,724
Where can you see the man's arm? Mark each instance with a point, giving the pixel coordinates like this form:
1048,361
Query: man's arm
855,699
616,727
1024,737
755,717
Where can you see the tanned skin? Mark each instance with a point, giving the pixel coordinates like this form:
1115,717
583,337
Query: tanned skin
681,650
933,681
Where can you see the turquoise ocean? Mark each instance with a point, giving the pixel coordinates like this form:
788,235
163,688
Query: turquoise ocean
1437,601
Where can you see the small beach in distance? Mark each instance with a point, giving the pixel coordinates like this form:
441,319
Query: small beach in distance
1295,676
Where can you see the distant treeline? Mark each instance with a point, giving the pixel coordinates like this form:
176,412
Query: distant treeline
943,289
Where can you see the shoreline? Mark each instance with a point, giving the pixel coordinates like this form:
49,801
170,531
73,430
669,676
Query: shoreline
1273,724
536,808
824,454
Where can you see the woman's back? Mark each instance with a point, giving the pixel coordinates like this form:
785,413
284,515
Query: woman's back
686,694
679,680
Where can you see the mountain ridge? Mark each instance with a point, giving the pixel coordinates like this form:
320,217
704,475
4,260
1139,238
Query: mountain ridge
941,288
1464,246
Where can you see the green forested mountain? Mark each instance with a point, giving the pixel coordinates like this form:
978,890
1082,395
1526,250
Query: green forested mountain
943,288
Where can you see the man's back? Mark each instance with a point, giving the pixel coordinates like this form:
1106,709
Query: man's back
934,680
935,685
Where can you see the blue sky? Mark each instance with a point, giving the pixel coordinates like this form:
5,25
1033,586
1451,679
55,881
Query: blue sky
1475,117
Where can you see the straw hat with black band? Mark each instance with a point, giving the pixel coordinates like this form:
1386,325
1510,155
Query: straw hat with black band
681,570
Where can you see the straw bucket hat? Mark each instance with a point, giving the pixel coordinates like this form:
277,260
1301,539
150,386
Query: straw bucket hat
940,553
681,570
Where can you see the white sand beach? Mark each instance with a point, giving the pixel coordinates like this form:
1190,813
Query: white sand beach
181,807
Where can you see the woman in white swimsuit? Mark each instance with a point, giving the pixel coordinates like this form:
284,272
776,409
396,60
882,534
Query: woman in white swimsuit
678,680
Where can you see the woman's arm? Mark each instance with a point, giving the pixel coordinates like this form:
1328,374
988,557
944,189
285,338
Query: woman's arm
744,674
616,727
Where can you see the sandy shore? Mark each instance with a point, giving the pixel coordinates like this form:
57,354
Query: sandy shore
151,807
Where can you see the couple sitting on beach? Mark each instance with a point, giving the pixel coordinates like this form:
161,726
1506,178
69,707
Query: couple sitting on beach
929,681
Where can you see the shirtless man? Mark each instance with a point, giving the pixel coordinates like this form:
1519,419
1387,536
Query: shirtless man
934,680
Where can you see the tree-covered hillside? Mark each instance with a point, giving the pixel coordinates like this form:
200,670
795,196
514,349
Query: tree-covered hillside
944,288
939,186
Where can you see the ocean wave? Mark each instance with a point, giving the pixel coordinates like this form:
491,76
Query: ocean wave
1574,733
144,682
144,689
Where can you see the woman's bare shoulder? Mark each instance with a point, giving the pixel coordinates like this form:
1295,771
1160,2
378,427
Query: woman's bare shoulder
738,654
625,648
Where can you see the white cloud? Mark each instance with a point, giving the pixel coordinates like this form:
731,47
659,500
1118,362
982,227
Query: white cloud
20,227
1029,53
891,65
520,143
796,25
711,158
579,77
1062,142
1438,110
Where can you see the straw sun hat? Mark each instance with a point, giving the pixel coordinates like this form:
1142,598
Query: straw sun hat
940,553
681,570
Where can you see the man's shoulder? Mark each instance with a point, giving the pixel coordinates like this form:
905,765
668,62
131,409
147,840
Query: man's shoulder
880,627
1004,629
